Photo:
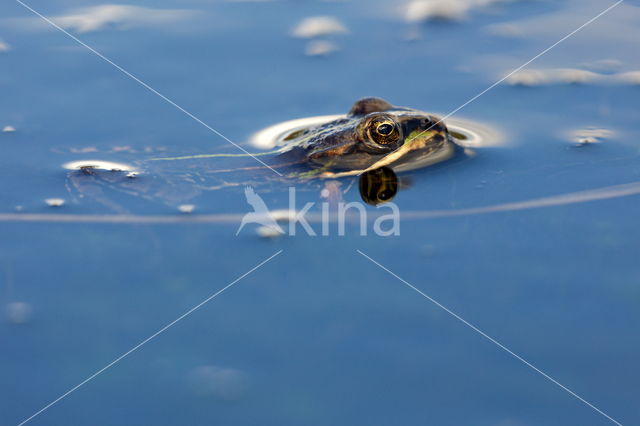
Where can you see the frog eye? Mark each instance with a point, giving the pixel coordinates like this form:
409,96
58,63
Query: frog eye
384,132
380,132
384,129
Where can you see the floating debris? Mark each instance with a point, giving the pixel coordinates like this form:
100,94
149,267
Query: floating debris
268,232
18,312
228,384
54,202
132,175
8,129
589,136
319,26
4,47
320,48
186,208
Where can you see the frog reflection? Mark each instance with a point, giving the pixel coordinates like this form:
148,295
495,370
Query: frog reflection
378,186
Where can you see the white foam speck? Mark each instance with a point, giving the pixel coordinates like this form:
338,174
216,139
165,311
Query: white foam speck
119,16
444,10
268,232
54,202
425,10
320,48
186,208
603,65
100,165
589,135
284,215
319,26
631,77
540,77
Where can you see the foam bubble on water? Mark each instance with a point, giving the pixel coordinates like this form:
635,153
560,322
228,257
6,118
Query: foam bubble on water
116,16
8,129
444,10
447,10
631,77
54,202
186,208
228,384
540,77
603,65
319,26
283,215
18,312
99,165
589,135
320,48
268,232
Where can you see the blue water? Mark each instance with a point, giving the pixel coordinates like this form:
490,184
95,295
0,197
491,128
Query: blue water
320,335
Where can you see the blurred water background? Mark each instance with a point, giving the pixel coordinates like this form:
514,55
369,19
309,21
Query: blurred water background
320,335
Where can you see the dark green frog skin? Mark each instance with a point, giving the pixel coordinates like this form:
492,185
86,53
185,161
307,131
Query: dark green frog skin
373,134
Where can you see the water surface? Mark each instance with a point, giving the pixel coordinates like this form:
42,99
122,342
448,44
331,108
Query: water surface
320,335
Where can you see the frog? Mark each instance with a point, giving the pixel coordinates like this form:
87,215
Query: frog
373,135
